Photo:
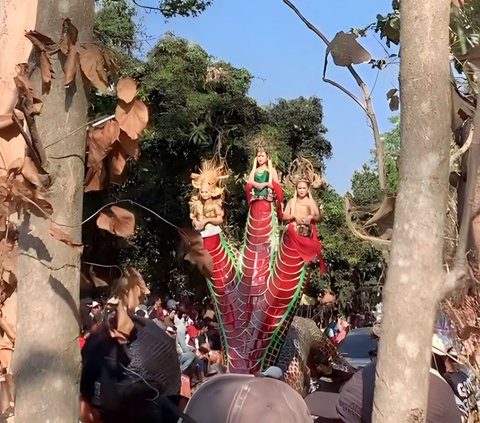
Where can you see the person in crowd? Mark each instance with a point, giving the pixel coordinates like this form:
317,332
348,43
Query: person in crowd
354,403
159,318
337,330
195,332
326,376
134,382
154,308
445,362
246,399
141,311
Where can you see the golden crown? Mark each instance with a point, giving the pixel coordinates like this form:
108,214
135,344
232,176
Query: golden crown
302,170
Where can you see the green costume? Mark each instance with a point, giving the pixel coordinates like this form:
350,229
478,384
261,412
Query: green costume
261,177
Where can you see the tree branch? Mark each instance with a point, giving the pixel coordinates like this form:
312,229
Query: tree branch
367,107
354,230
35,156
472,176
351,95
462,150
146,7
134,203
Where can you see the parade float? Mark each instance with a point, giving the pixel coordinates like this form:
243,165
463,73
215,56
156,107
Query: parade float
256,289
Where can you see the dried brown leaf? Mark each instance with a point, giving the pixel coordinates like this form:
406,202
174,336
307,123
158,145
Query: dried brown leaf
37,106
70,65
92,64
117,221
64,45
44,208
42,42
131,147
60,235
346,50
132,117
118,161
111,131
33,105
391,93
32,174
458,3
9,277
195,251
23,84
126,89
46,69
100,141
69,36
393,99
95,178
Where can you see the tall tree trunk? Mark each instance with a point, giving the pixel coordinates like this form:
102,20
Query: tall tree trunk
416,279
47,359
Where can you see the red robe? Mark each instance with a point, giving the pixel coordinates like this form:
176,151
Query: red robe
307,247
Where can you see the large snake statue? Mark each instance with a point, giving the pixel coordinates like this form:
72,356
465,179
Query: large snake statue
256,292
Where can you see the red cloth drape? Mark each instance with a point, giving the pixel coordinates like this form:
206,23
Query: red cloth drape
307,247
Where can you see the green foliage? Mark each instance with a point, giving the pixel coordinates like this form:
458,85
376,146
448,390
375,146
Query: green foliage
354,267
200,107
389,27
171,8
115,25
300,120
365,184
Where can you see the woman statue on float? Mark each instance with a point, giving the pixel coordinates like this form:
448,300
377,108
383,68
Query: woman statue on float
206,209
302,212
263,183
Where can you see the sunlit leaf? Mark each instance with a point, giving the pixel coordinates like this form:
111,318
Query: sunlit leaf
132,117
126,89
346,50
92,64
58,233
118,221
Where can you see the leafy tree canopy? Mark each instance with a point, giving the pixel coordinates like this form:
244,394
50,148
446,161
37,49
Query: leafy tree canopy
355,268
114,24
300,120
365,184
199,107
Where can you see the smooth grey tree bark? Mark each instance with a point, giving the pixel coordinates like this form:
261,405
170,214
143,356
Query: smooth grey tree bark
416,279
47,357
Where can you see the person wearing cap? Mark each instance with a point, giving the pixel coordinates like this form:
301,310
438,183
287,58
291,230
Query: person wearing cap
235,398
354,403
95,315
444,360
94,307
171,304
141,311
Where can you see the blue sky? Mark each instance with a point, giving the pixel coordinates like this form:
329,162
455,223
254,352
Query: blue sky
268,39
